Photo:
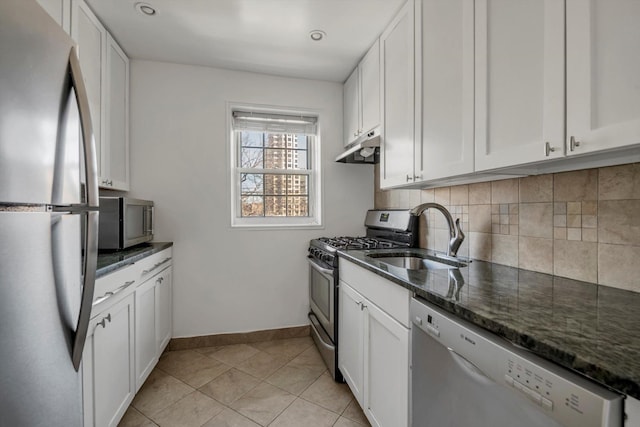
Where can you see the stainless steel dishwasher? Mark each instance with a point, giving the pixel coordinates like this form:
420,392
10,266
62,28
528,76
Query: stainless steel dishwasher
464,376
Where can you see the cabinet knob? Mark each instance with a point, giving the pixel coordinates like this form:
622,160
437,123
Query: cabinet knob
548,149
104,320
409,178
573,143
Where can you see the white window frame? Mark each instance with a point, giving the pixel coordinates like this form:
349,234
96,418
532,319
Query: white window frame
314,220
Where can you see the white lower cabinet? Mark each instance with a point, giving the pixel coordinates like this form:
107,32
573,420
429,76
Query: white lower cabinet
108,371
374,345
153,322
131,325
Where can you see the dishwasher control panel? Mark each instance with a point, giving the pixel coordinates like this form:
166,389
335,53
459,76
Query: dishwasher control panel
563,395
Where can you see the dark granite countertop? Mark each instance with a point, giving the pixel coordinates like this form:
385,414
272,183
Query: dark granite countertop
592,329
113,260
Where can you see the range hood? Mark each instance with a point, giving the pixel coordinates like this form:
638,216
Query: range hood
365,149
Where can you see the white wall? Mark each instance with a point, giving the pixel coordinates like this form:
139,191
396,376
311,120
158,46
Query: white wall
230,280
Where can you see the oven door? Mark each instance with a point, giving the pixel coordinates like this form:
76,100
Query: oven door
321,295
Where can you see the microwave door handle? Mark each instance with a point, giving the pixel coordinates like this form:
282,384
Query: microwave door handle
151,213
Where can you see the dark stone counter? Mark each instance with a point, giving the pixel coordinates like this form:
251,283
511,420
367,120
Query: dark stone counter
591,329
113,260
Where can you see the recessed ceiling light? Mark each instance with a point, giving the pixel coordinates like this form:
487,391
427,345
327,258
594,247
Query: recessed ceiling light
317,35
145,8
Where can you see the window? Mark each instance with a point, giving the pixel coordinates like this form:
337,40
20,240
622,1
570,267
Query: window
275,169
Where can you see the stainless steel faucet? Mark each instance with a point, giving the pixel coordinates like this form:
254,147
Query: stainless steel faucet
457,236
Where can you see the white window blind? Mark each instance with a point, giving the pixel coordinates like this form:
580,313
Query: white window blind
274,123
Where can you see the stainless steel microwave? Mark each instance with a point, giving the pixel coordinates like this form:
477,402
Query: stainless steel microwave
124,222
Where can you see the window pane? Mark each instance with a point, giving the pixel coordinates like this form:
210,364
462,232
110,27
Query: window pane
298,159
297,184
252,206
252,158
276,140
297,206
251,139
300,142
275,184
275,205
251,183
275,159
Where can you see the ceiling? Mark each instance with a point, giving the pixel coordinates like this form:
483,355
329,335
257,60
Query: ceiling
264,36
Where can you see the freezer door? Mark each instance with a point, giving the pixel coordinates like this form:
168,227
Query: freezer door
40,293
40,154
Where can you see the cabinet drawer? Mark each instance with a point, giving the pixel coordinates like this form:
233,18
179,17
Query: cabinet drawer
153,264
391,298
117,283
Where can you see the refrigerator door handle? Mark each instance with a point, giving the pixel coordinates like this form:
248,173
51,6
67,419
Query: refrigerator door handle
91,237
89,274
91,166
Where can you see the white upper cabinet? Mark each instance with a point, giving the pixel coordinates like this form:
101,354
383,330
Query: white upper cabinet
60,11
519,82
370,88
362,96
105,69
351,102
397,77
91,38
444,88
115,155
603,75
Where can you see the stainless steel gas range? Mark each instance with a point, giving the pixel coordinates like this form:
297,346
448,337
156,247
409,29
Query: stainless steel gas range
384,229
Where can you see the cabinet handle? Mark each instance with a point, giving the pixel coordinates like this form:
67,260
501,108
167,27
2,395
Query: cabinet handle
104,320
417,177
112,293
409,178
573,143
362,307
548,149
159,279
156,266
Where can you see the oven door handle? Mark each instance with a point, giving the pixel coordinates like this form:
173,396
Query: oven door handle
317,266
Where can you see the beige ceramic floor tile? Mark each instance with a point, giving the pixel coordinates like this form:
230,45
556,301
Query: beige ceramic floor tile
346,422
133,418
230,418
207,351
193,410
234,354
311,359
159,391
328,394
263,404
303,413
262,364
354,413
290,347
229,386
294,379
191,367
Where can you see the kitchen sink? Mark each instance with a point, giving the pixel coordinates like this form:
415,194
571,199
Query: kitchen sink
415,261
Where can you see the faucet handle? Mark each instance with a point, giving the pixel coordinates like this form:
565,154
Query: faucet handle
457,239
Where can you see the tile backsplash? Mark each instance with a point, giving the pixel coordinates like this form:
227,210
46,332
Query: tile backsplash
584,224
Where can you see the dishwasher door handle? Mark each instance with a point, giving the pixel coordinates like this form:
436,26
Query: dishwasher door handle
472,370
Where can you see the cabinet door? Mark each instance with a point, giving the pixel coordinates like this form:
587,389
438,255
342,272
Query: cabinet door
164,310
603,74
90,36
116,143
519,84
386,361
108,370
60,11
444,84
146,343
350,339
351,100
370,88
397,74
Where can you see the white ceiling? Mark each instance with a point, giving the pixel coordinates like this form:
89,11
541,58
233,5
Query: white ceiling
264,36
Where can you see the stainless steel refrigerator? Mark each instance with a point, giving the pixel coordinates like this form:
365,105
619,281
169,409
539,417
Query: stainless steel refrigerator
48,220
